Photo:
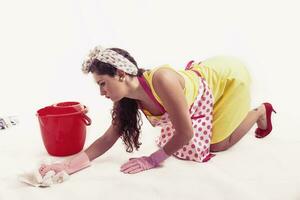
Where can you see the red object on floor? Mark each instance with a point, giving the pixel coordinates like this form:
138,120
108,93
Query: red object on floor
63,127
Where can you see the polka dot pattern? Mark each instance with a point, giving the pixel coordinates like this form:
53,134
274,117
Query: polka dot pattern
198,148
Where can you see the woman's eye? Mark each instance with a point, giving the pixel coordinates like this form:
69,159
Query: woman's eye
102,84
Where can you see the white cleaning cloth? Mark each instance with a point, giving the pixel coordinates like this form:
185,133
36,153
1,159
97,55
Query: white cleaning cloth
50,178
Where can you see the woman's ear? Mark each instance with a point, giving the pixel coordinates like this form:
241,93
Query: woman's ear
121,74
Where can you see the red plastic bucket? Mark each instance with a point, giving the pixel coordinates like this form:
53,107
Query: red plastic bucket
63,128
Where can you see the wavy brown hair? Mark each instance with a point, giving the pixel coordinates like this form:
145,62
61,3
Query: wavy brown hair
125,113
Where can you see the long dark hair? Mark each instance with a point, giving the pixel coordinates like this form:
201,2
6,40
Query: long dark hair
125,113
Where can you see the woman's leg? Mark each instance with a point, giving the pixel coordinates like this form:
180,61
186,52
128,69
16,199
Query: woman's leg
256,115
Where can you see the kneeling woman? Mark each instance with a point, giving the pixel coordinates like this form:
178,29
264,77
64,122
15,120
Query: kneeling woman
202,109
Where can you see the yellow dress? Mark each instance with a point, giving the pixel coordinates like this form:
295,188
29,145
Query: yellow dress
229,81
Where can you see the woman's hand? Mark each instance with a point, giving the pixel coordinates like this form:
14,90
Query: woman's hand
135,165
57,167
78,162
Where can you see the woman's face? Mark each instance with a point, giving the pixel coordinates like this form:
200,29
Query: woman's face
110,87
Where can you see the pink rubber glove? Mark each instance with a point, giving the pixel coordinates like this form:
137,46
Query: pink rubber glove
135,165
71,166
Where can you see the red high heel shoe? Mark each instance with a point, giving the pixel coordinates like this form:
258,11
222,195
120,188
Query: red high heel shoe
260,133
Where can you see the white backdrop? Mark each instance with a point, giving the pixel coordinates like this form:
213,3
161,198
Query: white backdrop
43,44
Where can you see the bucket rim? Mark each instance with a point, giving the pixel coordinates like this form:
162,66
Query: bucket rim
72,104
57,115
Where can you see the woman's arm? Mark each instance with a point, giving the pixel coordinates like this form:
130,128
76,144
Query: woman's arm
102,144
168,88
167,85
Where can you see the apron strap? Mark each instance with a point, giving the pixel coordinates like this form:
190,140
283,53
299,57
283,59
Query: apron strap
189,67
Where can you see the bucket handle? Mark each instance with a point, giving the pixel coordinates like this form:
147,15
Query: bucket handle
86,119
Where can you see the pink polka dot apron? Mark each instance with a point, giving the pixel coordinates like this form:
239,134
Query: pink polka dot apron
198,148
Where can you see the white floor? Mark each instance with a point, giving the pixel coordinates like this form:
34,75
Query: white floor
253,169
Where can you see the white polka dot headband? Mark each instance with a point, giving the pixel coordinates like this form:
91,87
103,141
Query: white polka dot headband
111,57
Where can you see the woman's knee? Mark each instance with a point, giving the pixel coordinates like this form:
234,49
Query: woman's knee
220,146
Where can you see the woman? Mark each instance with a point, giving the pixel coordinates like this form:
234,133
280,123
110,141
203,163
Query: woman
202,109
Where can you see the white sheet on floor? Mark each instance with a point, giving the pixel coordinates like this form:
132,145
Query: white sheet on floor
34,178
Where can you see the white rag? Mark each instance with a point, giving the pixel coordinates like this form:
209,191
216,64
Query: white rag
50,178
